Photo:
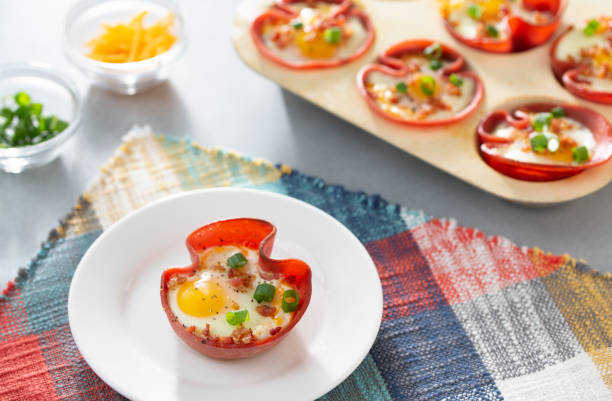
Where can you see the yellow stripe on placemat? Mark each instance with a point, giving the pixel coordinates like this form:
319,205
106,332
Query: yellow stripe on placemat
602,358
199,167
147,167
139,173
583,297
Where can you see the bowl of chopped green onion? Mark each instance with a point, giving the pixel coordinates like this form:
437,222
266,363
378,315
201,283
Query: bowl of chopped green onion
40,109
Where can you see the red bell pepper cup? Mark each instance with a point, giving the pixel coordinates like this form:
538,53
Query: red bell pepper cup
599,126
568,73
389,63
284,11
521,35
253,234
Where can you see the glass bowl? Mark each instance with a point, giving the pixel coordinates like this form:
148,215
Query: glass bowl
84,22
58,94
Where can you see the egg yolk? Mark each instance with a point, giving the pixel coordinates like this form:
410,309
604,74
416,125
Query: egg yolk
201,298
315,47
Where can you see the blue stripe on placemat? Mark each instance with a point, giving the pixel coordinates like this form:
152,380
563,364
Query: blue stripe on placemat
427,356
380,220
45,289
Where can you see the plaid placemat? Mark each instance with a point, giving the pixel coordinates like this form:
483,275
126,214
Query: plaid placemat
466,316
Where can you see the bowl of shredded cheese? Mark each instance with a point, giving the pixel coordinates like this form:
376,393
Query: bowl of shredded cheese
126,46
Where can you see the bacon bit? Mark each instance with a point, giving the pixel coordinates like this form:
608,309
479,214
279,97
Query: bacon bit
191,329
176,280
283,36
425,111
226,340
240,280
206,331
266,310
235,306
453,90
242,335
558,125
218,268
275,331
347,33
504,10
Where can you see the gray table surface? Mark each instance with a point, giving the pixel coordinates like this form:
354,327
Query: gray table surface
241,110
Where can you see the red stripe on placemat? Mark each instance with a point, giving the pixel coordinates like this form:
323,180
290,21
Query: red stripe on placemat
407,282
466,263
72,377
546,263
13,316
23,371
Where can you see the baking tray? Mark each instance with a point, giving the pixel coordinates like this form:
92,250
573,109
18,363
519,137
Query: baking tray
508,78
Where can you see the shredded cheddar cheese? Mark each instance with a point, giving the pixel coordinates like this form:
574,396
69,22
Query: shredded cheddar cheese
125,43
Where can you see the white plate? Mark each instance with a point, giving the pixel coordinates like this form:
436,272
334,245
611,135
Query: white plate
120,328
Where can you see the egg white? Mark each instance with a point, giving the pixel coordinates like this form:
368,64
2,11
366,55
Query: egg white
515,151
457,103
218,324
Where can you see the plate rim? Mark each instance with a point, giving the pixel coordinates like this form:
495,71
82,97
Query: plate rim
126,391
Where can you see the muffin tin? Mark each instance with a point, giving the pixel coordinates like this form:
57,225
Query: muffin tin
510,79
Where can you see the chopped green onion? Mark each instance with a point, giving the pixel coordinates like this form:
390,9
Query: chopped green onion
581,154
36,109
264,292
455,79
557,112
332,35
428,85
22,99
434,51
435,65
474,11
401,87
237,260
591,28
542,120
291,300
22,122
297,24
539,142
238,317
492,31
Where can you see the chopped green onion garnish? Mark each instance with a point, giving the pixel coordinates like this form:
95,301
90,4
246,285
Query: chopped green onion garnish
237,260
22,122
492,31
332,35
539,142
36,109
581,154
428,85
22,99
474,11
264,292
591,28
455,79
542,120
291,300
297,24
238,317
435,65
401,87
434,51
557,112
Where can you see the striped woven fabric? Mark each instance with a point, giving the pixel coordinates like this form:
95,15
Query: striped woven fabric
466,316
